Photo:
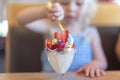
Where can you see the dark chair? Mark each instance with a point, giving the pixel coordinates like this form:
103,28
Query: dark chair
109,37
25,49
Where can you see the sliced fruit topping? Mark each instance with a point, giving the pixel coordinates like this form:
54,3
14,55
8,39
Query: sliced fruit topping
63,36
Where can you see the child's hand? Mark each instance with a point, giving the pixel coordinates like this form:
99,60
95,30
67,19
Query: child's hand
55,12
91,70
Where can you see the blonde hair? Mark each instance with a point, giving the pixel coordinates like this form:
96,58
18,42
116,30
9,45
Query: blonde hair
88,12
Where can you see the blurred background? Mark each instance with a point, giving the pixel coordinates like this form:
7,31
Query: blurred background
17,53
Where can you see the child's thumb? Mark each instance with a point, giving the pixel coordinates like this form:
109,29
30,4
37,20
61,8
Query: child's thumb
80,70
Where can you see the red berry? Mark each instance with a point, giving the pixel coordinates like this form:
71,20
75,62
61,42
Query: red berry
48,44
59,45
63,36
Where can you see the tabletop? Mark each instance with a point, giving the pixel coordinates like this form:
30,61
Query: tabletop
110,75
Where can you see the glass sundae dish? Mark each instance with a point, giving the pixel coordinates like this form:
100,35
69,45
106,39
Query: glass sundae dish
60,52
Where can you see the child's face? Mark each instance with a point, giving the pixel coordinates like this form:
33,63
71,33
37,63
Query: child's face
72,9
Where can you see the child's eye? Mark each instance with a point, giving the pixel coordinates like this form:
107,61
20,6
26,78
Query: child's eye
64,3
79,3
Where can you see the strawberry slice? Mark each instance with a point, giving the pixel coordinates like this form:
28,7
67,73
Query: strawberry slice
59,45
48,44
63,36
57,35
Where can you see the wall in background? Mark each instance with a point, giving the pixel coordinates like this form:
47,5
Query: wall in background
27,1
2,9
14,6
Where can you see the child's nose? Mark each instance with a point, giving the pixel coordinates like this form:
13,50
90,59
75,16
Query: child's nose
72,7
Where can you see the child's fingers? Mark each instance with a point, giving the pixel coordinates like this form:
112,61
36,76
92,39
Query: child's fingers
51,10
57,6
53,18
87,72
57,14
58,9
97,72
102,72
92,72
56,18
60,18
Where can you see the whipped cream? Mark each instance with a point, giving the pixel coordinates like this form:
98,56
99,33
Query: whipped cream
61,62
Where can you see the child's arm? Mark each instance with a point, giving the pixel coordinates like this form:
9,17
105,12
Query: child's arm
33,18
98,53
117,49
32,14
99,63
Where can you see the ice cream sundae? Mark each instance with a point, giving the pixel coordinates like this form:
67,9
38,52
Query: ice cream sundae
60,51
